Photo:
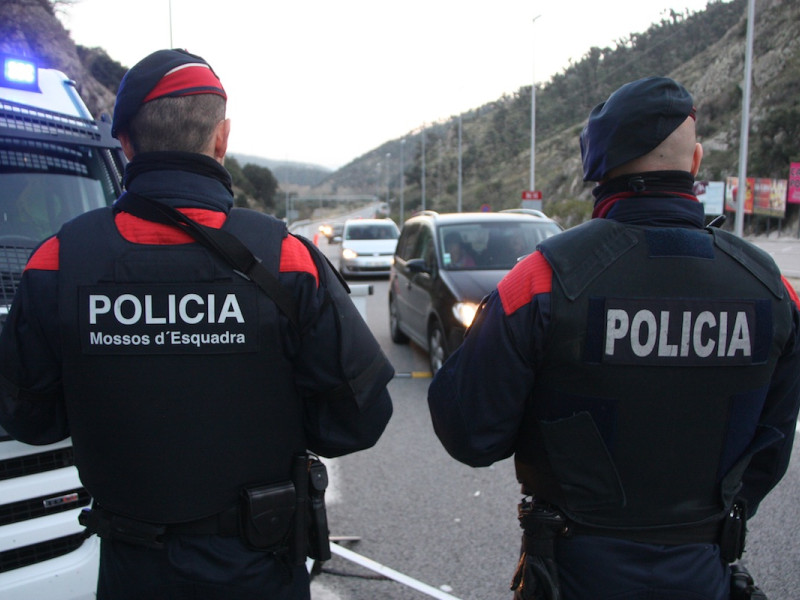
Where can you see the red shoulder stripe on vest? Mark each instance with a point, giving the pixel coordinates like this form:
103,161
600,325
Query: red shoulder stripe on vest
530,277
46,256
792,292
140,231
296,257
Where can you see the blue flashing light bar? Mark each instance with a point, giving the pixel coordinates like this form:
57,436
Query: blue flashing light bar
19,73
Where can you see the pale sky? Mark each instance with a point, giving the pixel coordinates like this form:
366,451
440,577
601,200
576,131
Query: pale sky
325,81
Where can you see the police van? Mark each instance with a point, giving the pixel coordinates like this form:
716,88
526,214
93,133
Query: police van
56,162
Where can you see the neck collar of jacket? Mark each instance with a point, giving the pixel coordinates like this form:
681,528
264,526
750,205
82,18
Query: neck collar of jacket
188,162
668,187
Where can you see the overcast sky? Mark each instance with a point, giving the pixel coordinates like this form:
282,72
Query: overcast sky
325,81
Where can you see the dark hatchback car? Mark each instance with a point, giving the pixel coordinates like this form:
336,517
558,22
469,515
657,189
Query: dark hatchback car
445,264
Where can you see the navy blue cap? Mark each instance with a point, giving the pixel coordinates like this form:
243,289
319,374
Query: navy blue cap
632,122
163,73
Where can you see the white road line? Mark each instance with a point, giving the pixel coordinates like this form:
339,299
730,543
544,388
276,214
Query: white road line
332,495
391,573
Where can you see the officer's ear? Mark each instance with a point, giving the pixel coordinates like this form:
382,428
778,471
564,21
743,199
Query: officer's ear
697,158
127,146
221,133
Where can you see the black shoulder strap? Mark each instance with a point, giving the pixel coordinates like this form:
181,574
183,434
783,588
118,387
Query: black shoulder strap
225,244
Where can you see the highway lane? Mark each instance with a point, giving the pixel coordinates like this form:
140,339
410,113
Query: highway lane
419,512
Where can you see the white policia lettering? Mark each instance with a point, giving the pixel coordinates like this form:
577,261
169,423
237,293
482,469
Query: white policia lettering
701,335
129,309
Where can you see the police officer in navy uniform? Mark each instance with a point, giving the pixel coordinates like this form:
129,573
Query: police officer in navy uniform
641,369
183,385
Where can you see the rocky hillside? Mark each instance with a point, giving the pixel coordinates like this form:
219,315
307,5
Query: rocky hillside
705,51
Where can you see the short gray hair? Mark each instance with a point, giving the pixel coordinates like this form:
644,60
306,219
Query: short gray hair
184,123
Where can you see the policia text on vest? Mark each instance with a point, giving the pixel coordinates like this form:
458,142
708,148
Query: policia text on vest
167,319
682,332
287,518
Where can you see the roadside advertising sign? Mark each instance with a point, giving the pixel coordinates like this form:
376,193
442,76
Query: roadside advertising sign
793,196
763,196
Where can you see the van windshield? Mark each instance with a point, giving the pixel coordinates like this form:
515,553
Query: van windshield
35,205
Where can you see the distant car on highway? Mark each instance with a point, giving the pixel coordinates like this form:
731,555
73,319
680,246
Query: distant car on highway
367,247
445,264
332,231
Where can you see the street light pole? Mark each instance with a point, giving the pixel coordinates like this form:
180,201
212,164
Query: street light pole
388,156
743,136
402,178
459,163
423,167
533,113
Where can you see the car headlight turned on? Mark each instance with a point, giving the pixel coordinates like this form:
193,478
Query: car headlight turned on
464,312
349,254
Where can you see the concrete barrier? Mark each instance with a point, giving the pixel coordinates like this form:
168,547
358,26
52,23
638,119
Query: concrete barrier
358,294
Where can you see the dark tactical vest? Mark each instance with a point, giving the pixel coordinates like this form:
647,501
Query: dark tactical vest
657,365
177,386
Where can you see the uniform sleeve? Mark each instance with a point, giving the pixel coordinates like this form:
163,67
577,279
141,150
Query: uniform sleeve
32,406
478,397
769,465
340,370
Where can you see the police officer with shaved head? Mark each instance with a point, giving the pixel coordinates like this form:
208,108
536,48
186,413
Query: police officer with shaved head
642,369
200,357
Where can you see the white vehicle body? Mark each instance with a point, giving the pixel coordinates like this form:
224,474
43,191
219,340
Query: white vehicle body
54,156
368,247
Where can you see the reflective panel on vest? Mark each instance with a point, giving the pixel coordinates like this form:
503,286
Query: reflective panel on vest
181,318
677,332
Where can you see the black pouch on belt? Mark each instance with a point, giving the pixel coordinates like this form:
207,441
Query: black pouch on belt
733,533
268,515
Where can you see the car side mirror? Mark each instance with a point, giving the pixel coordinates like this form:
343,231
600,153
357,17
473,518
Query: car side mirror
417,265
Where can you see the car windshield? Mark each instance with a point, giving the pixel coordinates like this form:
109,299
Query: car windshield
489,246
372,231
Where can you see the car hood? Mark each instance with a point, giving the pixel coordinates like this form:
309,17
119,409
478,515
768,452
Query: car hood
377,246
472,285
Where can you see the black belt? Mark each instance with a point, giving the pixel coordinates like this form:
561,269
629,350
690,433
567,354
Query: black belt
226,523
706,533
109,525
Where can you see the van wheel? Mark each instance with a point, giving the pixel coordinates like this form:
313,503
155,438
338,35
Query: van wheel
437,352
398,337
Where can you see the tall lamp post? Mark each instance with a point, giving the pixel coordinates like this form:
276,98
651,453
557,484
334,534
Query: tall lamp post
388,156
402,178
459,163
533,114
743,136
423,167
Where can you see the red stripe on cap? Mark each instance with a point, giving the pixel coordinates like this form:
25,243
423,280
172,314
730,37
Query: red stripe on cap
531,277
192,78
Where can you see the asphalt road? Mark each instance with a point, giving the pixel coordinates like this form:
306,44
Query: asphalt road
442,524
